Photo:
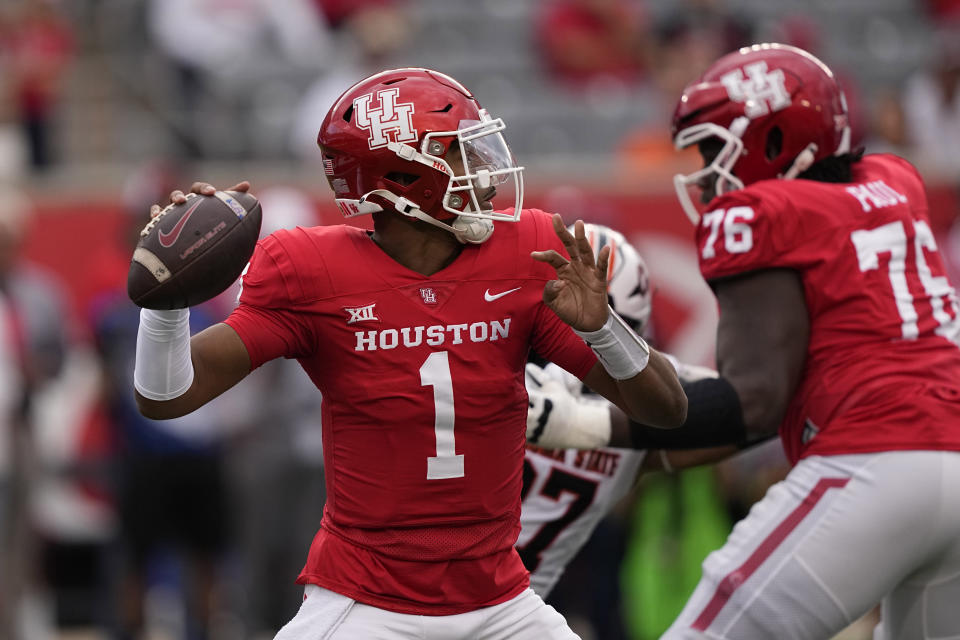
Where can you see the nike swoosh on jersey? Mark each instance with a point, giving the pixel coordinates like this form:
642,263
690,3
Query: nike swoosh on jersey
168,239
490,297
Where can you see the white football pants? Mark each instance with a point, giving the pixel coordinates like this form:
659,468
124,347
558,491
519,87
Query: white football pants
325,615
824,546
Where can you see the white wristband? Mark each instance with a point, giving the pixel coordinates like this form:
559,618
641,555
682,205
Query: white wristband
163,368
622,352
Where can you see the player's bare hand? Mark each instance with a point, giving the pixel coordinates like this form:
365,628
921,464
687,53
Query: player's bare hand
579,294
201,188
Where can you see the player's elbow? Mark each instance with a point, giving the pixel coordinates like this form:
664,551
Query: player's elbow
763,404
159,409
671,412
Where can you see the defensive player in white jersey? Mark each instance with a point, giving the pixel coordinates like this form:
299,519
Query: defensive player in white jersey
568,491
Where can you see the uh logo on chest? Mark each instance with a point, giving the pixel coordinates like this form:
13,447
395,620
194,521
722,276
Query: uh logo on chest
433,335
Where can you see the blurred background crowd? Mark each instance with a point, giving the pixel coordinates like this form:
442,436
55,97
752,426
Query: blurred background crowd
116,527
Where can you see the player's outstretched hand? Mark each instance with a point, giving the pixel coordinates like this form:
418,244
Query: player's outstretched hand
579,294
201,188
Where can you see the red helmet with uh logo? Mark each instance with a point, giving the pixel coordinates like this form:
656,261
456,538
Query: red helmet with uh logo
776,108
385,145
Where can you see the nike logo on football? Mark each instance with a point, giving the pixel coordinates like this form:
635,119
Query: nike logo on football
490,297
168,239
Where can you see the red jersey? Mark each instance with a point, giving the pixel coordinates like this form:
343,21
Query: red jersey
883,367
424,405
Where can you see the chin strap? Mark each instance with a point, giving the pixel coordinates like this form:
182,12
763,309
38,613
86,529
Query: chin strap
803,162
465,229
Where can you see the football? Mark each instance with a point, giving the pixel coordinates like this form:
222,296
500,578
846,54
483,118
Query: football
193,251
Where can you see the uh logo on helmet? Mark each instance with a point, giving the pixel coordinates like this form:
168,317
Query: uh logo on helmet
775,108
390,117
418,142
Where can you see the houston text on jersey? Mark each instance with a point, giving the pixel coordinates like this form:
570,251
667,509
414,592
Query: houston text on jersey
436,335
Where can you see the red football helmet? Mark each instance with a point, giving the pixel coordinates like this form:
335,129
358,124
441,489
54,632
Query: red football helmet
776,108
385,145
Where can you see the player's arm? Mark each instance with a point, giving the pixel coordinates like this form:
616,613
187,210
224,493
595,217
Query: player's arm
654,395
559,418
762,345
762,340
168,361
175,374
714,418
671,460
677,459
761,349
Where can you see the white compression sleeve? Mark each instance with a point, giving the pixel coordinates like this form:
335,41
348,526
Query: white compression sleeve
163,368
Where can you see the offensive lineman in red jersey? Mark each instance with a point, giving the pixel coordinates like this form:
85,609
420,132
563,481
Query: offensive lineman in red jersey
837,325
417,334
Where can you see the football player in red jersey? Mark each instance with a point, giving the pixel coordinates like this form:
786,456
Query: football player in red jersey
839,328
417,334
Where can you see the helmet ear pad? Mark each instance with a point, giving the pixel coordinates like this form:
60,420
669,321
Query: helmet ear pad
771,145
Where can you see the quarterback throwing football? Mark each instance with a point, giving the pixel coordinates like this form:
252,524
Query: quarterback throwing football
417,334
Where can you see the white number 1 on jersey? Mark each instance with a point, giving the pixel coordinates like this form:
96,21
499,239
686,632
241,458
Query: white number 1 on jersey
435,372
